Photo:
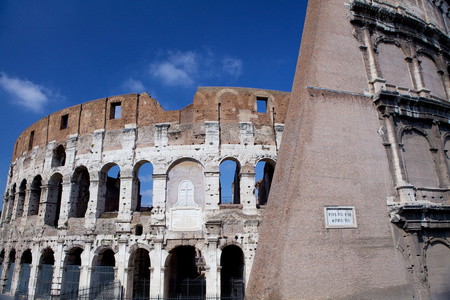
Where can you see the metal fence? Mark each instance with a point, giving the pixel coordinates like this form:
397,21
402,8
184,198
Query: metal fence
44,282
108,291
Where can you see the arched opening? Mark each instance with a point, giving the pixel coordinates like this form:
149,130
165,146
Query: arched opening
232,273
71,272
431,77
140,263
263,180
393,65
25,270
59,157
438,263
112,193
79,197
103,271
184,275
53,205
419,163
10,271
229,182
45,274
35,196
21,199
143,198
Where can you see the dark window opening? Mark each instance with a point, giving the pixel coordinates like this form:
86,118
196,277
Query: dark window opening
30,143
116,110
261,104
112,190
35,196
232,273
64,122
138,230
59,157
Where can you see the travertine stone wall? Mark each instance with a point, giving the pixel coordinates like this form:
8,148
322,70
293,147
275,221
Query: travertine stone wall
67,211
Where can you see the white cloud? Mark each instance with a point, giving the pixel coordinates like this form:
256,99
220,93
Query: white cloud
25,92
188,68
147,193
146,178
232,66
133,86
179,69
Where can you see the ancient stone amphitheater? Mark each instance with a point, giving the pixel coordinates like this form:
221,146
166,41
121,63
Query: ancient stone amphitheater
70,229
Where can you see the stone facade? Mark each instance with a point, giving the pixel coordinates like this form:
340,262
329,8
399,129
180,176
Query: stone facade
360,204
61,211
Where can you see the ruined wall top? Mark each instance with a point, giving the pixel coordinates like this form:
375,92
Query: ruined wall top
141,111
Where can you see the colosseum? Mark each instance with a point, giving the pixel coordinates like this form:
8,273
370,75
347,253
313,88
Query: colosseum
70,229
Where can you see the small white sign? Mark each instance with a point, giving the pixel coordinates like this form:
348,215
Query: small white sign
340,217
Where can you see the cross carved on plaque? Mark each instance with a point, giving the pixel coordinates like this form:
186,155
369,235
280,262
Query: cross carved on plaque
186,194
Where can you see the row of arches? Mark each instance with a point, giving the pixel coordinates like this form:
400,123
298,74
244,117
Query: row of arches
184,272
50,194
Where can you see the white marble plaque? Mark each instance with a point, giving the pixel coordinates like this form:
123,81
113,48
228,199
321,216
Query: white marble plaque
340,217
186,219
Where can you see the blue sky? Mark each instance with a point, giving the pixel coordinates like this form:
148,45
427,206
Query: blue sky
56,54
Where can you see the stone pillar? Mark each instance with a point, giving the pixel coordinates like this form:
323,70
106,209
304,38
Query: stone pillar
121,258
34,271
15,279
247,188
97,190
159,199
15,206
129,282
125,213
212,261
212,190
86,268
58,268
6,204
44,205
404,189
65,205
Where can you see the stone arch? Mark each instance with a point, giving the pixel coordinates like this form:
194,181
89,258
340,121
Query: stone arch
79,194
59,156
185,169
35,196
71,270
431,73
438,267
45,273
392,63
139,281
103,267
229,180
264,170
109,188
418,160
25,269
232,264
183,273
142,187
54,197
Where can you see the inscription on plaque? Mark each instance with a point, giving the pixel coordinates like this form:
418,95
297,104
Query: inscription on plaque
340,217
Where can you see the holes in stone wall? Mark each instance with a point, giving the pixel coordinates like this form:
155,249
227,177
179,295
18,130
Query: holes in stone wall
261,104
